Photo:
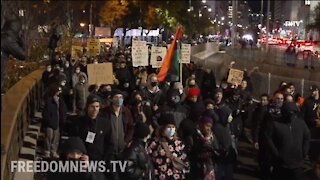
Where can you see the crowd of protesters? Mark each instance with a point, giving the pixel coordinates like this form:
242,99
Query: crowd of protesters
174,130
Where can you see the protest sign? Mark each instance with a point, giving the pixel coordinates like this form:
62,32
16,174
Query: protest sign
93,47
157,56
235,76
100,73
185,53
139,53
76,51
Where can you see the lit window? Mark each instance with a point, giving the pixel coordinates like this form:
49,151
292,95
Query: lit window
307,2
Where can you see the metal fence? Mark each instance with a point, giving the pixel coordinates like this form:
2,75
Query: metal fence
275,56
269,83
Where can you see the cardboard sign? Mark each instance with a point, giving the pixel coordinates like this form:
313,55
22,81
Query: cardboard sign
235,76
157,56
100,73
139,53
185,53
76,51
93,47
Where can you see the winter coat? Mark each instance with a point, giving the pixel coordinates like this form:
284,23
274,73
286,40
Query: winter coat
46,78
287,140
80,96
75,78
163,166
52,116
128,124
195,110
309,110
100,126
178,111
141,167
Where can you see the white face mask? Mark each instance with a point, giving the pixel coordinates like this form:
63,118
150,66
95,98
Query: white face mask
169,132
83,81
49,69
67,65
63,83
77,71
180,91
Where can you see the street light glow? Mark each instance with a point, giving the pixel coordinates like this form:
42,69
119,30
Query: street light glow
82,24
222,18
209,9
204,1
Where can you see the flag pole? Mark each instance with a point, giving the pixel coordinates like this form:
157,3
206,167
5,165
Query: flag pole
180,64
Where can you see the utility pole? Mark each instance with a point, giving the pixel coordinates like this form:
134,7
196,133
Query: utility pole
268,25
261,21
234,22
91,25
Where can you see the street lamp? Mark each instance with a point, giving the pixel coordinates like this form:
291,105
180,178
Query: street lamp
222,18
204,1
209,9
82,24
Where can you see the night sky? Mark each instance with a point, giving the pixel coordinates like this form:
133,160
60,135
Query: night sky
256,5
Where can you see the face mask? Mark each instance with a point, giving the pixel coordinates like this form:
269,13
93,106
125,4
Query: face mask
95,63
67,65
154,84
118,102
180,91
49,69
192,86
175,99
224,86
63,83
83,81
169,132
77,71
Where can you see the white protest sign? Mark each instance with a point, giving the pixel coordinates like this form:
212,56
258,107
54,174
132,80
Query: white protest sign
185,53
157,56
139,53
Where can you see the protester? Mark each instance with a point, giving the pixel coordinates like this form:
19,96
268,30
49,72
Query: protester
54,114
167,151
309,110
75,151
204,150
81,92
288,142
140,166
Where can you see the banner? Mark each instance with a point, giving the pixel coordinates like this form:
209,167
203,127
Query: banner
139,53
76,51
157,56
235,76
185,53
93,47
100,73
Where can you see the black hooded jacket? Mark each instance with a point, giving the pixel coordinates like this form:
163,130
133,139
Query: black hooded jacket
287,138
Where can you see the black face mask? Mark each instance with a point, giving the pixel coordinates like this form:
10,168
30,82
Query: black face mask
154,84
192,86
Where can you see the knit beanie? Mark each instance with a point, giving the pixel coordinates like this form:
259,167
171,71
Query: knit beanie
141,130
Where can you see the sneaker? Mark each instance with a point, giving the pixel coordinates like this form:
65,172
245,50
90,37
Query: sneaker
55,155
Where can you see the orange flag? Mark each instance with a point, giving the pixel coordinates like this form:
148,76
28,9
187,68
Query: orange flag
169,56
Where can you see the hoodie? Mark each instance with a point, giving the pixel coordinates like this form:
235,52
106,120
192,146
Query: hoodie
287,138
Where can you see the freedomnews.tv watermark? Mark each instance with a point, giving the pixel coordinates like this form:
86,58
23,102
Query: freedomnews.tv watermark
68,166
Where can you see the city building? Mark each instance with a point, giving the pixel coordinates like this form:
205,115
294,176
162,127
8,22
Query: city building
292,17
